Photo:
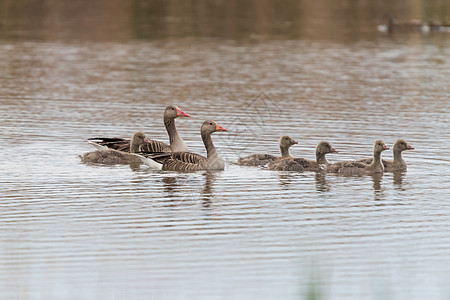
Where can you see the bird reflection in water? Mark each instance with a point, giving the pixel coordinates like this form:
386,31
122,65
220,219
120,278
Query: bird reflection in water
135,166
377,190
322,184
186,189
398,179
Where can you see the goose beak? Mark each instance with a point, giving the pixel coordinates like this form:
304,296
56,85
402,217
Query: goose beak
409,147
294,142
385,147
220,128
146,140
332,150
181,113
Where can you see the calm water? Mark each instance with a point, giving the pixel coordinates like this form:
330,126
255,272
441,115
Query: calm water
74,231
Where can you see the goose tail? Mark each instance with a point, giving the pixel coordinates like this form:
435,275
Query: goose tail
97,145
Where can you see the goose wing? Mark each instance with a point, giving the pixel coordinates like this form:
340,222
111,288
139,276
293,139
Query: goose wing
184,161
368,161
112,143
153,146
256,160
337,167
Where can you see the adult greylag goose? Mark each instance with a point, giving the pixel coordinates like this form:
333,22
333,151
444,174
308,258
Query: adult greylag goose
259,160
302,164
349,168
188,161
176,142
114,157
398,164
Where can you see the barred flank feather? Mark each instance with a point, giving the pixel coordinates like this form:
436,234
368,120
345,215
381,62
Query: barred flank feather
257,160
155,146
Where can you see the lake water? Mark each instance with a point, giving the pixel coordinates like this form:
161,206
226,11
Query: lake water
75,231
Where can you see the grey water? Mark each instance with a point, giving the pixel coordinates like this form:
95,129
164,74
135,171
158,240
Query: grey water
75,231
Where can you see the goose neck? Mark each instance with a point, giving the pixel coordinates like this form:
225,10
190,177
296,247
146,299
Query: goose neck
209,146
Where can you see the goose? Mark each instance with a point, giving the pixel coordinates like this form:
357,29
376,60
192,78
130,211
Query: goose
188,161
398,164
360,168
176,142
259,160
301,164
114,157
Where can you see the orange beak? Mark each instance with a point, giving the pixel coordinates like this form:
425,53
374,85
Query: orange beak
181,113
220,128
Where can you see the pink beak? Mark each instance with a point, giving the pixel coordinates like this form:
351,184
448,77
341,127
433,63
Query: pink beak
181,113
332,150
409,147
385,147
220,128
146,140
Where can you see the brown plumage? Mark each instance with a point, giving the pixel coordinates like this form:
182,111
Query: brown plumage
259,160
301,164
176,142
398,164
188,161
114,157
348,168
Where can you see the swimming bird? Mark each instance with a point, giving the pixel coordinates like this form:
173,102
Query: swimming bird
176,142
360,168
398,164
188,161
113,157
259,160
302,164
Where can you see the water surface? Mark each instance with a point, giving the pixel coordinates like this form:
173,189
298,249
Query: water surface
70,230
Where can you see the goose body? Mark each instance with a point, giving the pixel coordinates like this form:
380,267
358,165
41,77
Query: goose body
260,160
176,142
349,168
302,164
108,156
398,164
188,161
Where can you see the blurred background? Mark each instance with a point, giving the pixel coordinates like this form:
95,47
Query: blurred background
83,20
313,69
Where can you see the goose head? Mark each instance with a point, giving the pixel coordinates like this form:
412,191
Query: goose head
322,149
325,148
139,138
173,111
210,126
379,146
286,142
401,145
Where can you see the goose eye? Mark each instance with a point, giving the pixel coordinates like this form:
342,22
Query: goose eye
210,123
173,108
